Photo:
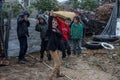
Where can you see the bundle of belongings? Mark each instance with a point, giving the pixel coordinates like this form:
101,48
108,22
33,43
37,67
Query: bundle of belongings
65,14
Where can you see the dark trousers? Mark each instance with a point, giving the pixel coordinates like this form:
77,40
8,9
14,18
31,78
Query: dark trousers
65,46
76,46
23,47
44,44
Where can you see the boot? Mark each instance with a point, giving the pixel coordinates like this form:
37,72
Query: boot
49,56
41,56
59,74
41,60
52,77
54,74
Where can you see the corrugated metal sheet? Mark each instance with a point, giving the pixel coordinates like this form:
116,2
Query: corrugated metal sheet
10,1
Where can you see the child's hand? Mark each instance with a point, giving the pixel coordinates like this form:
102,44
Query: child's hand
54,15
53,30
51,13
26,18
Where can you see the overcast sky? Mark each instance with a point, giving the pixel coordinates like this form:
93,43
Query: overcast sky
61,0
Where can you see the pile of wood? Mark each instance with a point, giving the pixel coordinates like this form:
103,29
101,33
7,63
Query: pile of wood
103,12
96,21
91,25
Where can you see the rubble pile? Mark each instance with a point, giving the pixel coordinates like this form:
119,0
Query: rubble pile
103,12
96,21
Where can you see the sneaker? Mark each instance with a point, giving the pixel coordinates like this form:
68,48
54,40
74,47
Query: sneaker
41,60
49,59
63,57
69,55
52,77
61,75
25,60
78,55
21,62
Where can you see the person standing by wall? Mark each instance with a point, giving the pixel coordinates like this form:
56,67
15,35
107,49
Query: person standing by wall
22,33
76,35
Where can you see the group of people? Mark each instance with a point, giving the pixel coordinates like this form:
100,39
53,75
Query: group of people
55,35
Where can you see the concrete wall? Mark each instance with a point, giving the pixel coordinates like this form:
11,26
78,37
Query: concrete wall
33,40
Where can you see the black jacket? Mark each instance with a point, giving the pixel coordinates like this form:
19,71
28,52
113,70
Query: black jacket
54,40
43,27
22,27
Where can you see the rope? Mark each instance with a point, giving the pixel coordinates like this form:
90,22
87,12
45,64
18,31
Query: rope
47,65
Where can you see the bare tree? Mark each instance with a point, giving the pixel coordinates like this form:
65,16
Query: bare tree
2,47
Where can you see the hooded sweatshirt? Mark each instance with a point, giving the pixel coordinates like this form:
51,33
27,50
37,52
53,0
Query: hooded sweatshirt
43,27
22,25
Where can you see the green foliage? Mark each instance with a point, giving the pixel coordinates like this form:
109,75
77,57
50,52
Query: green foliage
30,8
46,5
5,10
76,4
73,3
15,9
89,4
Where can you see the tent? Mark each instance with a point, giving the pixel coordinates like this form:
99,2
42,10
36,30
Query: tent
112,28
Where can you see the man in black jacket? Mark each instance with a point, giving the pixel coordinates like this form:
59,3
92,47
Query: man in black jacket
22,32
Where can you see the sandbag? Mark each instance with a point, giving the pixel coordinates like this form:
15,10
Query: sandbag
65,14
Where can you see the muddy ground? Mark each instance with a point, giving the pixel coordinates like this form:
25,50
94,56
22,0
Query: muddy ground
104,65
